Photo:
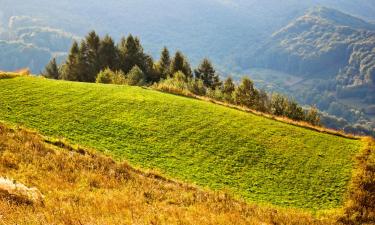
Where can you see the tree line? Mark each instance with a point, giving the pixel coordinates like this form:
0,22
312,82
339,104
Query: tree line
101,60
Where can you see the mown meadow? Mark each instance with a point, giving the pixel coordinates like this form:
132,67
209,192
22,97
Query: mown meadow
254,158
80,186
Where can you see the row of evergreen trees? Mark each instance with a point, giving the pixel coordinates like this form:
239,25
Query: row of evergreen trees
97,59
93,54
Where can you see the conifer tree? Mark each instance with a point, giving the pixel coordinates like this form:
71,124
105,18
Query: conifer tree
52,70
187,69
312,116
130,51
294,111
108,55
264,104
92,53
131,54
228,89
179,63
164,63
71,67
83,64
207,73
246,94
278,105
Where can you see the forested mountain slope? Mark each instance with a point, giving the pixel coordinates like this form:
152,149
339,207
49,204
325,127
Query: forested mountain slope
332,56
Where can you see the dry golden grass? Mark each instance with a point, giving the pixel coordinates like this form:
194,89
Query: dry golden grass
19,73
360,206
83,187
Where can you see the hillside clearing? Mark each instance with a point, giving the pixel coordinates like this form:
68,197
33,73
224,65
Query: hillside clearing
255,158
82,187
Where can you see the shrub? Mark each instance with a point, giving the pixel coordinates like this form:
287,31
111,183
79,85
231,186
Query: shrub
119,77
9,75
215,94
135,77
178,84
105,76
197,87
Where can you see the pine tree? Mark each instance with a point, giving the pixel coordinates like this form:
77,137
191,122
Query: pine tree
279,105
313,116
164,63
92,53
228,89
83,64
108,55
207,73
52,70
246,94
131,54
71,67
264,104
180,63
130,51
294,111
187,69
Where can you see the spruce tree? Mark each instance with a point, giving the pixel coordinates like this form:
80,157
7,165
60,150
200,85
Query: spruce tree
207,73
312,116
294,111
108,55
264,104
71,67
187,69
130,51
131,54
228,89
52,70
179,63
92,53
83,64
164,63
246,94
279,105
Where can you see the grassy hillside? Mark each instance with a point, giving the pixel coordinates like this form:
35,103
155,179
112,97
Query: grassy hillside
256,158
81,187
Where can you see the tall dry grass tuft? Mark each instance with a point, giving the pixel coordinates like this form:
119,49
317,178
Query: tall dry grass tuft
360,207
23,72
8,75
83,187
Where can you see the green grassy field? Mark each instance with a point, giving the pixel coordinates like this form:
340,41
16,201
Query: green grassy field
259,159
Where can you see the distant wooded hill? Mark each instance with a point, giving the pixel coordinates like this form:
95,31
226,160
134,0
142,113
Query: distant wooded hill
325,43
29,42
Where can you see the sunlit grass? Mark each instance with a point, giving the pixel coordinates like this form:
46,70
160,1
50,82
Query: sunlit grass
255,158
83,187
